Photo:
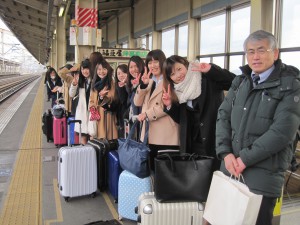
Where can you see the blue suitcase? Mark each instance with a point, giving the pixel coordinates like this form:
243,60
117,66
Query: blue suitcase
74,138
130,188
114,171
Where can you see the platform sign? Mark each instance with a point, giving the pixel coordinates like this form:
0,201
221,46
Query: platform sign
125,53
99,38
86,36
72,35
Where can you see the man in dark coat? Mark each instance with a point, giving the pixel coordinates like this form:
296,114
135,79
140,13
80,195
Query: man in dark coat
258,120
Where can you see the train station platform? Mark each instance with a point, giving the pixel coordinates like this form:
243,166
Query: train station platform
28,172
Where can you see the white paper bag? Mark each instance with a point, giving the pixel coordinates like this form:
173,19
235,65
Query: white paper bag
92,127
230,202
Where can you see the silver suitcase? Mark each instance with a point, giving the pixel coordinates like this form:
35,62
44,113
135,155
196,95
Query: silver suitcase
151,212
77,171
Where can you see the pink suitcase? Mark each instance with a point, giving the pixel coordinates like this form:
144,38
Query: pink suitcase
60,131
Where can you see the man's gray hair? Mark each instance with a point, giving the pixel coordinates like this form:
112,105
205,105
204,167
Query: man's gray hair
261,35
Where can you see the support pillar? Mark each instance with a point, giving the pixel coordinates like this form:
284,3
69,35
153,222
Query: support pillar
193,37
84,51
156,40
261,15
131,28
53,54
61,42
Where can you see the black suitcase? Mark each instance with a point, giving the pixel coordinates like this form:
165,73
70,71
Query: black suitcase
47,126
102,147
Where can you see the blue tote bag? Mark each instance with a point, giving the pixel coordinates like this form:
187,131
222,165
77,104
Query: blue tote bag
134,155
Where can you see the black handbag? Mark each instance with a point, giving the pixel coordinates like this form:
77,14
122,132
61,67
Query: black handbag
182,177
134,155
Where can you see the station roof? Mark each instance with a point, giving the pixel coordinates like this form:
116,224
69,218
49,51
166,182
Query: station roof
33,21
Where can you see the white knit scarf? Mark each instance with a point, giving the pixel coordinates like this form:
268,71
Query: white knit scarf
190,87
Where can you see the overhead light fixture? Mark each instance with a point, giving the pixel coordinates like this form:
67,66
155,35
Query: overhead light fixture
54,32
61,10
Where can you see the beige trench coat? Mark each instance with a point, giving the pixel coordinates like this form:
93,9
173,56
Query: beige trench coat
162,129
111,117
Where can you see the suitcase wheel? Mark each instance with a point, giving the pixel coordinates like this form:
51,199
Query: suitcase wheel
93,195
67,199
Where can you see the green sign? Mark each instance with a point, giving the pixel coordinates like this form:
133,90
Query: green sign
117,52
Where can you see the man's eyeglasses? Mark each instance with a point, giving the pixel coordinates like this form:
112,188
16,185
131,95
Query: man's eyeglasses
260,51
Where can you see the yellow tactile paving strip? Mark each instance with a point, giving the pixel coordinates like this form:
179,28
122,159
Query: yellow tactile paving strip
23,201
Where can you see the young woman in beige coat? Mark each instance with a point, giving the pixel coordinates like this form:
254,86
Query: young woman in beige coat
103,98
163,131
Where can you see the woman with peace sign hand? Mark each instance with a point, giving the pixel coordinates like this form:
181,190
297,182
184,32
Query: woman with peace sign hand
80,92
192,95
103,97
163,131
136,67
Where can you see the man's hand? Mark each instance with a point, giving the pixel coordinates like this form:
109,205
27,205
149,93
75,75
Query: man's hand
231,164
241,166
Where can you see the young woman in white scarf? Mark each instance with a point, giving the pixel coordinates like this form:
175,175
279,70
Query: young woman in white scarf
192,95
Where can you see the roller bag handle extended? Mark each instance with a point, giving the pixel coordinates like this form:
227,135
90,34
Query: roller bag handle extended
69,138
112,143
106,124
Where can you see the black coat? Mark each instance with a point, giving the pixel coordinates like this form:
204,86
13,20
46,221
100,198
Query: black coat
198,125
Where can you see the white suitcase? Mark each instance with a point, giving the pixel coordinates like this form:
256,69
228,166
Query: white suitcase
77,171
151,212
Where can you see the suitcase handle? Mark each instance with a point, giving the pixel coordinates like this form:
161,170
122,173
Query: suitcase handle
111,124
74,121
69,136
62,129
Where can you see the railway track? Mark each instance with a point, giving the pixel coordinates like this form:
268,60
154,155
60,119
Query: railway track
5,76
9,86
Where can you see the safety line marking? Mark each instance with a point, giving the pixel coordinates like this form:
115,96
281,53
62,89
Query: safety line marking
59,214
23,201
111,206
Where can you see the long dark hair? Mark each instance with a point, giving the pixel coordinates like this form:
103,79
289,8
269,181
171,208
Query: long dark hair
95,58
156,54
123,68
84,64
141,66
109,75
48,74
167,71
